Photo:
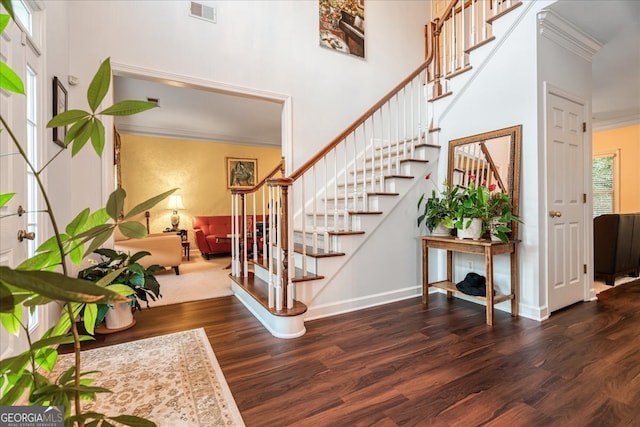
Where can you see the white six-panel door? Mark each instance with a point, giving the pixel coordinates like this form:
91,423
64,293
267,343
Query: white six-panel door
565,200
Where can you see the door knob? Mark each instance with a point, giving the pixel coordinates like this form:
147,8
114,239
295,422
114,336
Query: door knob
23,234
555,214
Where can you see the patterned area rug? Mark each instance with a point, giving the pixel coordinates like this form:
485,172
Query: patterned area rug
173,380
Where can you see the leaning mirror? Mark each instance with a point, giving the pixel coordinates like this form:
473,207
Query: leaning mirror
491,157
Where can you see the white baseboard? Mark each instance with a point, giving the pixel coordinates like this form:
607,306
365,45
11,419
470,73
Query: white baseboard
333,309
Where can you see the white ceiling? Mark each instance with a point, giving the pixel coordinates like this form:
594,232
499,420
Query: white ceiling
188,113
616,66
206,115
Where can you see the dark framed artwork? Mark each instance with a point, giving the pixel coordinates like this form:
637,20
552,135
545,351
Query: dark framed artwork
59,106
342,26
241,173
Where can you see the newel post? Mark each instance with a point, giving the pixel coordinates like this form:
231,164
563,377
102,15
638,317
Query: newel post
239,260
284,293
437,86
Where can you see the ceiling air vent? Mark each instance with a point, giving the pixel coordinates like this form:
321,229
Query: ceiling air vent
201,11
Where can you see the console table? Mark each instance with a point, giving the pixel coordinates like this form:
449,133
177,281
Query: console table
482,247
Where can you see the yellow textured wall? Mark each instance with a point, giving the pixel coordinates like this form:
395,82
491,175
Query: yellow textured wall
627,140
152,165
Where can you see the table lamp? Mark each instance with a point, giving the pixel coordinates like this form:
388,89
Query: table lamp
175,203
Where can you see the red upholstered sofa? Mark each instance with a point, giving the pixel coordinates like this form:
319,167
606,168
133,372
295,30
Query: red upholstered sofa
211,232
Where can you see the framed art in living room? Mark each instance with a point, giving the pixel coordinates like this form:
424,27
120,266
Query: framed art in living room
241,173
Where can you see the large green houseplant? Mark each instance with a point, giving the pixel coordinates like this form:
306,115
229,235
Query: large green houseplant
46,277
137,282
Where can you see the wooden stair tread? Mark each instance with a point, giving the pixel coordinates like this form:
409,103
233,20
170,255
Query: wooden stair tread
365,212
414,160
378,193
500,14
301,277
435,98
259,290
320,253
345,233
458,71
399,176
425,144
480,44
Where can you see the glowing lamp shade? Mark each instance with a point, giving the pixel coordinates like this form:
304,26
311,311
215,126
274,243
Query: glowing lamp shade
175,203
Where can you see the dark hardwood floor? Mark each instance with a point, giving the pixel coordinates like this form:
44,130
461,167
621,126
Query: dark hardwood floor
404,364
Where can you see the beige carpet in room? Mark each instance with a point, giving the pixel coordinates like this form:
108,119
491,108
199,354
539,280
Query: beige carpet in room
198,279
173,380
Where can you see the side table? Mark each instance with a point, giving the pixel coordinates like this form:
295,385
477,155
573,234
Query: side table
481,247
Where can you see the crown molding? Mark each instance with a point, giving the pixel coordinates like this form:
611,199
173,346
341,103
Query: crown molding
618,122
562,32
175,133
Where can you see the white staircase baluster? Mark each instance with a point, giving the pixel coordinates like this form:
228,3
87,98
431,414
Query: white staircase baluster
271,291
303,188
345,195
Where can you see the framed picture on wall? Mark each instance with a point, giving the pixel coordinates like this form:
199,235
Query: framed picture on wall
59,106
241,173
342,26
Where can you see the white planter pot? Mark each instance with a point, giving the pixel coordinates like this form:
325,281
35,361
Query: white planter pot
441,230
119,317
474,231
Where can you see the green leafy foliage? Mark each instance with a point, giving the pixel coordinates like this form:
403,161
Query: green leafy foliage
4,198
99,85
34,282
84,125
8,7
9,80
119,271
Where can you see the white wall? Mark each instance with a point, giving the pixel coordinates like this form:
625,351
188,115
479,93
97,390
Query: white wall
266,45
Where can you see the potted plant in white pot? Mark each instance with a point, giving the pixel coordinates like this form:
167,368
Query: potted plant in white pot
438,212
468,207
131,279
498,214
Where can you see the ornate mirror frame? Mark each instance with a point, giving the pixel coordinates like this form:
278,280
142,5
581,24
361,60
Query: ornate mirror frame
493,157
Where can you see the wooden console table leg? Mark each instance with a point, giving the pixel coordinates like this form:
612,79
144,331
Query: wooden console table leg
425,273
515,282
488,260
450,271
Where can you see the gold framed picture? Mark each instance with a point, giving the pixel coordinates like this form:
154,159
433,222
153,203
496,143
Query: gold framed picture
241,173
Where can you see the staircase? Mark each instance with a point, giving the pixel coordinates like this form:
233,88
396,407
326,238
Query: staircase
301,241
